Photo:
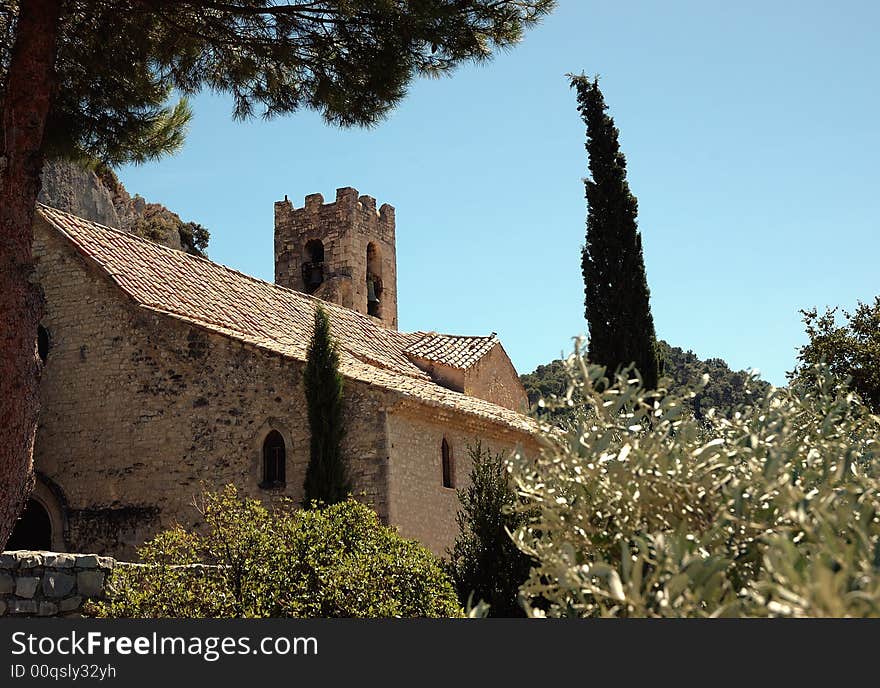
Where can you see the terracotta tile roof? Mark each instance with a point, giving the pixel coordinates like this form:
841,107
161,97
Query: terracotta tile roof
452,350
272,317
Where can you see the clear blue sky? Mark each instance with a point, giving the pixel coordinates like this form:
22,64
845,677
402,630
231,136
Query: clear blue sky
752,134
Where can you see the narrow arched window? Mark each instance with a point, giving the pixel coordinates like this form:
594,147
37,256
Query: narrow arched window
313,266
274,460
374,281
448,464
42,343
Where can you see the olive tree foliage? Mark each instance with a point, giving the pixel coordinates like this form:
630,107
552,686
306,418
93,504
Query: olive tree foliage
251,562
642,510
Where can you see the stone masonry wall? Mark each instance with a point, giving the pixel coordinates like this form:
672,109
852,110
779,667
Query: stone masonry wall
142,412
494,379
345,227
419,505
49,583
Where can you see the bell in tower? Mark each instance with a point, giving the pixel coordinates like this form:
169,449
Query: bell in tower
313,267
373,290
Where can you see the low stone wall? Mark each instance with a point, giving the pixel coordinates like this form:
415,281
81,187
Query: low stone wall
51,583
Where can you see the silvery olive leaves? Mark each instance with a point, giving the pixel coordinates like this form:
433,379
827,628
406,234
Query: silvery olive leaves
640,509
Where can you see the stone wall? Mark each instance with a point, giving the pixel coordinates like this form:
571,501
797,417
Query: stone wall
142,412
419,505
49,583
442,374
494,379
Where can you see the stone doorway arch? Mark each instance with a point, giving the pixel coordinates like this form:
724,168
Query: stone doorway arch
33,529
41,525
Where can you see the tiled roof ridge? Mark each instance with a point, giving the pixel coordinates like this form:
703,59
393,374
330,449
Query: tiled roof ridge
433,333
457,351
128,235
384,366
158,307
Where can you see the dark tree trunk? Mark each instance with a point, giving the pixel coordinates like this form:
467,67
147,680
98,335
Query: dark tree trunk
26,101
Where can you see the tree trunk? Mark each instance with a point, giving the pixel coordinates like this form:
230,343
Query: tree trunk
27,97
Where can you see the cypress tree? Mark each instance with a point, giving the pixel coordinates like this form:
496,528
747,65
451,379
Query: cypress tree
484,562
327,476
617,299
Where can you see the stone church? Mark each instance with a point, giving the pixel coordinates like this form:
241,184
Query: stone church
167,374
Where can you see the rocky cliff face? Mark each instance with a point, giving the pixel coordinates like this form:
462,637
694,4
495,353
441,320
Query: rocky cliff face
75,190
100,196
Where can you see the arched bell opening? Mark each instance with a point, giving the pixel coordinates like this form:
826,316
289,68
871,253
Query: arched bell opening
374,281
313,266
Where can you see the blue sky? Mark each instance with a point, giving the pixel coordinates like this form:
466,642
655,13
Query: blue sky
751,131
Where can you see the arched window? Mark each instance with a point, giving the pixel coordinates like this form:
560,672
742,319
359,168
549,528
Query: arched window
374,281
313,266
33,530
42,343
448,464
274,460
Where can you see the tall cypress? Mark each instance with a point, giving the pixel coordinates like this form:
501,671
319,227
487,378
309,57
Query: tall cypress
327,475
615,285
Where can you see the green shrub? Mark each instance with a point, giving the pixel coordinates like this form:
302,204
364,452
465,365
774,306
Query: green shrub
850,350
339,561
642,510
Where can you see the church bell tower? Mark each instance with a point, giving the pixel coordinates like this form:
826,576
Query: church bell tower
342,252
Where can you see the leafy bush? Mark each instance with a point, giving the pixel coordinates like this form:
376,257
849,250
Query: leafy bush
159,224
339,561
642,510
484,562
851,351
